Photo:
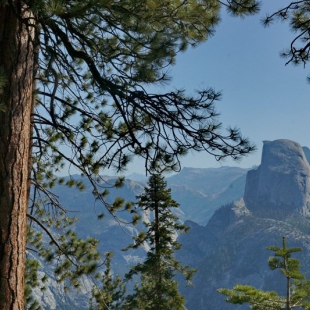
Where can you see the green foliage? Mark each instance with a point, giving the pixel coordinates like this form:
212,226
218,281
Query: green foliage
297,286
296,14
71,256
32,281
96,57
243,7
112,293
157,288
92,110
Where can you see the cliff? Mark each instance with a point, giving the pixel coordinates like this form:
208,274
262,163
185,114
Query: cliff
281,184
231,248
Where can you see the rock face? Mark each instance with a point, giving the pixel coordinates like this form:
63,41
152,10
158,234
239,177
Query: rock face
200,191
236,254
231,248
281,184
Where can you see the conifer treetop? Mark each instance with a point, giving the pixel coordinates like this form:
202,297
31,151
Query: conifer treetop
158,288
297,286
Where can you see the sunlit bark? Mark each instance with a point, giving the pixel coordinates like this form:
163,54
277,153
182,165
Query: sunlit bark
17,66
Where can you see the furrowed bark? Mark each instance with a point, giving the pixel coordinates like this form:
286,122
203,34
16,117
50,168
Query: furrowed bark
17,63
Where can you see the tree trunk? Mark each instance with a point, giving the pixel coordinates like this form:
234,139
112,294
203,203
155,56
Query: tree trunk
17,64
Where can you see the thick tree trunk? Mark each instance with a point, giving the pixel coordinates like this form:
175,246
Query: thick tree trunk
17,62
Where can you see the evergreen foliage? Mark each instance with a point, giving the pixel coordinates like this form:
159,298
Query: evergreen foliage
31,281
92,111
93,64
297,286
96,59
297,15
158,288
112,294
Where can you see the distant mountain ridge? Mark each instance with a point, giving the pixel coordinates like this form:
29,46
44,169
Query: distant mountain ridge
191,189
228,236
207,180
231,248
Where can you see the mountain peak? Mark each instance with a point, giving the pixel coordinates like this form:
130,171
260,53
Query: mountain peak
281,184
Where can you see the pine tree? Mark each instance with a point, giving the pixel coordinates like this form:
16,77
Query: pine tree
158,288
297,286
112,293
73,77
296,14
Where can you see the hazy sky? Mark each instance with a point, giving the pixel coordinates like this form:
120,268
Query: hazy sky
264,98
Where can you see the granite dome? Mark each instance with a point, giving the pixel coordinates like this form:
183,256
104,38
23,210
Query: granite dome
281,184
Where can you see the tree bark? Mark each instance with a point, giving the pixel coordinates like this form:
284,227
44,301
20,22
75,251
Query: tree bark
17,62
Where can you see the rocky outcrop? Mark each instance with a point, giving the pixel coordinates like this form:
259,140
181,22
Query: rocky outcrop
238,257
281,184
201,191
276,203
231,248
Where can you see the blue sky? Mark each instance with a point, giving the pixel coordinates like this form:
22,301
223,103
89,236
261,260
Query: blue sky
260,95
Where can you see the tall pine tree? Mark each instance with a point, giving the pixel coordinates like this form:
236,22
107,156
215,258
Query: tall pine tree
73,77
158,288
